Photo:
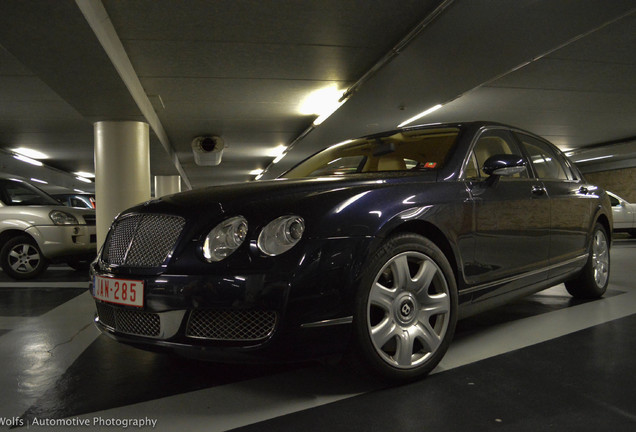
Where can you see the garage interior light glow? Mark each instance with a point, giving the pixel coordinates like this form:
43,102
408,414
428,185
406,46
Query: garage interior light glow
594,158
276,151
28,160
420,115
322,102
85,174
79,191
256,172
83,179
30,153
39,181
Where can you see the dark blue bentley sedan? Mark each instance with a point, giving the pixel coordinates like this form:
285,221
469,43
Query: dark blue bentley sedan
379,244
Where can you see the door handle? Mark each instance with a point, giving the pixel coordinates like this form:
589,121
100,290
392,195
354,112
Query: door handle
538,190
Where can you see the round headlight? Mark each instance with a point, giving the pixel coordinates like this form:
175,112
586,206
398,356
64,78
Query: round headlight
225,238
62,218
281,234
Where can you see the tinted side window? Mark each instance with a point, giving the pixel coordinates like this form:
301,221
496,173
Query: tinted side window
492,143
546,163
614,201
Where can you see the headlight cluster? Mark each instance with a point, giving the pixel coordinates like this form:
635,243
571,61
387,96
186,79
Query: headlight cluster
281,234
225,238
62,218
277,237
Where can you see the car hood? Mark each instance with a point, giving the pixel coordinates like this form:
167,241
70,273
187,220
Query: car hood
282,192
331,206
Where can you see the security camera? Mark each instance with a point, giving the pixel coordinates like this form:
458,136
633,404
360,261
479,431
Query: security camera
208,149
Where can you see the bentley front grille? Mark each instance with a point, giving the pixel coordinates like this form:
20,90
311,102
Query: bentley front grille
129,321
231,325
142,240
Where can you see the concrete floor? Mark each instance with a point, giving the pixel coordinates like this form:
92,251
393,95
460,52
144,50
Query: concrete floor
546,362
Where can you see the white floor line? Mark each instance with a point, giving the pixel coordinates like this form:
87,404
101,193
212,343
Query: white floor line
234,405
529,331
36,353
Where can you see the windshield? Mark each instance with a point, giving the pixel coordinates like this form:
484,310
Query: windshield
416,150
15,192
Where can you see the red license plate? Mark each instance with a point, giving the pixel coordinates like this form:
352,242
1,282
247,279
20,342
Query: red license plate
119,291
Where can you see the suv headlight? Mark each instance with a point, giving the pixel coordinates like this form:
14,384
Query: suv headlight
62,218
225,238
281,234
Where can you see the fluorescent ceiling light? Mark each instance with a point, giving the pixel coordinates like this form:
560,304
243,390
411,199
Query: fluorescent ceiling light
594,158
85,174
322,102
256,172
79,191
276,151
279,158
39,181
28,160
420,115
30,153
82,179
258,177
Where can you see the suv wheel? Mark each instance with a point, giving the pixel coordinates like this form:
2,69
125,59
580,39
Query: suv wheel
21,258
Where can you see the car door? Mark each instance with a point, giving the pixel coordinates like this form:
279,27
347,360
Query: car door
511,219
571,200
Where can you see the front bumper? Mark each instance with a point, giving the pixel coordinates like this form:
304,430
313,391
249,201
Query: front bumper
296,309
65,241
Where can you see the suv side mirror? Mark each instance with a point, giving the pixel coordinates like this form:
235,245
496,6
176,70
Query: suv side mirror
504,165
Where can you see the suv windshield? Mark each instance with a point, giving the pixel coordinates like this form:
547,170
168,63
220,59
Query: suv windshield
413,150
15,192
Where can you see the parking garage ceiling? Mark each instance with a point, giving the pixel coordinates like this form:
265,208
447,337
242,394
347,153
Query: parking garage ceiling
243,69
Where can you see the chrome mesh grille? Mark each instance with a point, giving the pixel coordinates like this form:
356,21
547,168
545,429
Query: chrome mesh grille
106,315
142,240
129,321
231,325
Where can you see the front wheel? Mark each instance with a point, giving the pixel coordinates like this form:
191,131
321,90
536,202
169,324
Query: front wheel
592,282
21,258
406,308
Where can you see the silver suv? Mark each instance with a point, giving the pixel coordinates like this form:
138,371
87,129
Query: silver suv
35,230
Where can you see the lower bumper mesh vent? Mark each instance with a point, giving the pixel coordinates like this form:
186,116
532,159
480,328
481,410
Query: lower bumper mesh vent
231,325
129,321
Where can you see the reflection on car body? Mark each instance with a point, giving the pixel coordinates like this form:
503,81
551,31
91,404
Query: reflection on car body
379,243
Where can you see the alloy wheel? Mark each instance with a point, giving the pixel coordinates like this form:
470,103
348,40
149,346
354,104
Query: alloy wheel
24,258
600,258
408,310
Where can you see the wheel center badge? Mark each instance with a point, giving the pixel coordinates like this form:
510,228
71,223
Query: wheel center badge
406,309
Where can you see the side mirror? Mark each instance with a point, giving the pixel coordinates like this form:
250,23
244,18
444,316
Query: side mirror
504,165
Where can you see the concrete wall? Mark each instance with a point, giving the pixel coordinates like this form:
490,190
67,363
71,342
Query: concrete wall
622,182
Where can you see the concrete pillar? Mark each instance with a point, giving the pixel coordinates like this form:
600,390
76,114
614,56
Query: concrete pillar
167,185
122,169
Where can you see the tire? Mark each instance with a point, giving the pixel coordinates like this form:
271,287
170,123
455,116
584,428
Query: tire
22,259
79,265
592,282
405,309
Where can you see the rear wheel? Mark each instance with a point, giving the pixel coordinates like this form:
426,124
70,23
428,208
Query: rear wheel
406,309
21,258
592,282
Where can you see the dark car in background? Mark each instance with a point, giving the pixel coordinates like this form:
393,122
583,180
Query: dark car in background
379,244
